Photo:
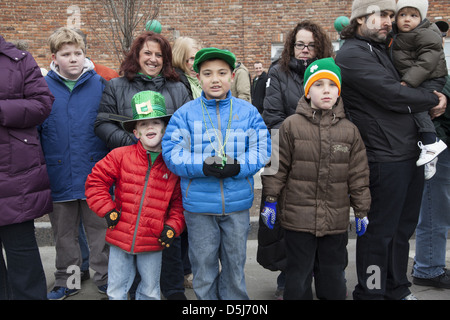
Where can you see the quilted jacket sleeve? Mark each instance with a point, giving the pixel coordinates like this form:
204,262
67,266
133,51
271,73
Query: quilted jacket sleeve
273,184
31,105
258,151
358,180
175,217
274,113
428,57
99,182
177,146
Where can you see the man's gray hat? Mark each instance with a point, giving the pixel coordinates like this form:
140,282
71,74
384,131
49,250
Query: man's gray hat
361,8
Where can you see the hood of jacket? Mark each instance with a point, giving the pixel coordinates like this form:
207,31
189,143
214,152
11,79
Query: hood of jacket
315,115
88,66
9,50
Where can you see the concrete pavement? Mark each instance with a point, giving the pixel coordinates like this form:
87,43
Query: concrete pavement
261,283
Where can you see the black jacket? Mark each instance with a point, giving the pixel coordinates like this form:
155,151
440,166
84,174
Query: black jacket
116,100
259,91
184,80
378,104
283,91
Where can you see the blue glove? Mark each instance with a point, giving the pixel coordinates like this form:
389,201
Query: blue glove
361,225
269,214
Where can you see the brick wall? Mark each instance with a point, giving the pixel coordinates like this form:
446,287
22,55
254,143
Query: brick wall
247,28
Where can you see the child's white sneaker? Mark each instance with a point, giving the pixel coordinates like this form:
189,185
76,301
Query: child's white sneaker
430,151
430,169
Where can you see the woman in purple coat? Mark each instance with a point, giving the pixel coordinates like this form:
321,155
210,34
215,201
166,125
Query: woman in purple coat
25,102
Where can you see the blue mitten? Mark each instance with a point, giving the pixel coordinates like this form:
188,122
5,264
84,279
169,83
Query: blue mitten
269,214
361,225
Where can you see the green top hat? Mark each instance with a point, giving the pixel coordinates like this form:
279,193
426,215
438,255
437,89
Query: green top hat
146,105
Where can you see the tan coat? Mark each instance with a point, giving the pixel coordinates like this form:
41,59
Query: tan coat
240,88
323,170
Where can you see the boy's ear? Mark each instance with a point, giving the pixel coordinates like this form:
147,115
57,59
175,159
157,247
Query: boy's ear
135,132
54,57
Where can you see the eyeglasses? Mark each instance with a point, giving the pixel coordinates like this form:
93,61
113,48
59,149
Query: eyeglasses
301,46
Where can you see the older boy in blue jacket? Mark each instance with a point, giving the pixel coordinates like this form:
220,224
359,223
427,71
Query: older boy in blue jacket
71,149
216,143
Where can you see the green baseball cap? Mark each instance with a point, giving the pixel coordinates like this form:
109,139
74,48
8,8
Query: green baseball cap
214,53
146,105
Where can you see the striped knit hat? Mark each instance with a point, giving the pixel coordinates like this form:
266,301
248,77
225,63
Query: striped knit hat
322,69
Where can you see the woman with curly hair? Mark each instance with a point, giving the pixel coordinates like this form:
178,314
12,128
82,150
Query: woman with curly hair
147,66
304,44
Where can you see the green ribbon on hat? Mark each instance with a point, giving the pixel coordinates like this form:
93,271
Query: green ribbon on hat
148,105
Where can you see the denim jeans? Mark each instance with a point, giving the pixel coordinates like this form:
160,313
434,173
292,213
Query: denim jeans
218,241
122,270
434,222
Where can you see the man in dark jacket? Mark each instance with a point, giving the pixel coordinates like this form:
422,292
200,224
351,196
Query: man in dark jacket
259,87
382,110
25,102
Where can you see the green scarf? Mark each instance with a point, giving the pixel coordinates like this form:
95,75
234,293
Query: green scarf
195,86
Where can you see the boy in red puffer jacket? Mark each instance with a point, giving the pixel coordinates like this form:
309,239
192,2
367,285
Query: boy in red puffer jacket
147,212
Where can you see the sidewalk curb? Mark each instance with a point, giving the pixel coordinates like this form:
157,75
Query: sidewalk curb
44,232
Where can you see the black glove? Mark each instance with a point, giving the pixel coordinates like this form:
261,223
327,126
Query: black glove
214,166
167,236
112,218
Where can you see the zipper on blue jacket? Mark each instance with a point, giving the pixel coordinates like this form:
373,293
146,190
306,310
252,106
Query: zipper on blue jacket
220,130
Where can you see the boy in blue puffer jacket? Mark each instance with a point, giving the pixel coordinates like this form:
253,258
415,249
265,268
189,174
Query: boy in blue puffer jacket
216,143
71,150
